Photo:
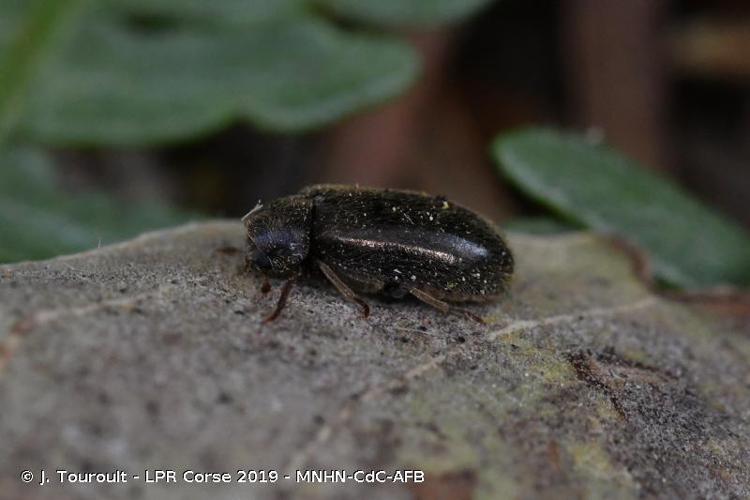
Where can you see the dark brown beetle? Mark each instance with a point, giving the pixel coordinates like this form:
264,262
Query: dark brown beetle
372,241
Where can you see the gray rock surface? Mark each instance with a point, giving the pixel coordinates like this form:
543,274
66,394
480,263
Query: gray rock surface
150,355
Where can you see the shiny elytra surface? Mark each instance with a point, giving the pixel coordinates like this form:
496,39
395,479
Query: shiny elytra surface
390,241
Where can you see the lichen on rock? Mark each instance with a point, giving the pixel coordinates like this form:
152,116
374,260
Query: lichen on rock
150,354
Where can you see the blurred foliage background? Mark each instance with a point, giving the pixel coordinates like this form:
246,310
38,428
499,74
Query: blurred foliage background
118,116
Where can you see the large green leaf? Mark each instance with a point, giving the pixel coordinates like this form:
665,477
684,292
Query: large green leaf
689,244
137,73
27,30
405,12
37,220
241,12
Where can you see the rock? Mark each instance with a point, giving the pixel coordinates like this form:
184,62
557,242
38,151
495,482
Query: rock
150,355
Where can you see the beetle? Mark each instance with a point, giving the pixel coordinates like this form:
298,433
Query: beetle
384,242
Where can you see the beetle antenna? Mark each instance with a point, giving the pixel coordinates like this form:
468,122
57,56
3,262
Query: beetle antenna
257,207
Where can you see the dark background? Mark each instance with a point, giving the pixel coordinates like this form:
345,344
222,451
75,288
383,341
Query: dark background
664,82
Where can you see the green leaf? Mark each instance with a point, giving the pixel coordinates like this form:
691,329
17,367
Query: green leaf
26,32
37,220
239,12
689,244
137,73
424,13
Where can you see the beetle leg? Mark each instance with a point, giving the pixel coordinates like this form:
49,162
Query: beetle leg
443,306
429,299
282,301
343,289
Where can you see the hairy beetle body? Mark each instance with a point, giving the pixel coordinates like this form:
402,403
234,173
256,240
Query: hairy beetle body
387,242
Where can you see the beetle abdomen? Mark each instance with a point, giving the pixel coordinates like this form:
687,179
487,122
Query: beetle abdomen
393,241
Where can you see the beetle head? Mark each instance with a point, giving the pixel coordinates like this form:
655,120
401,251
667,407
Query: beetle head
278,236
